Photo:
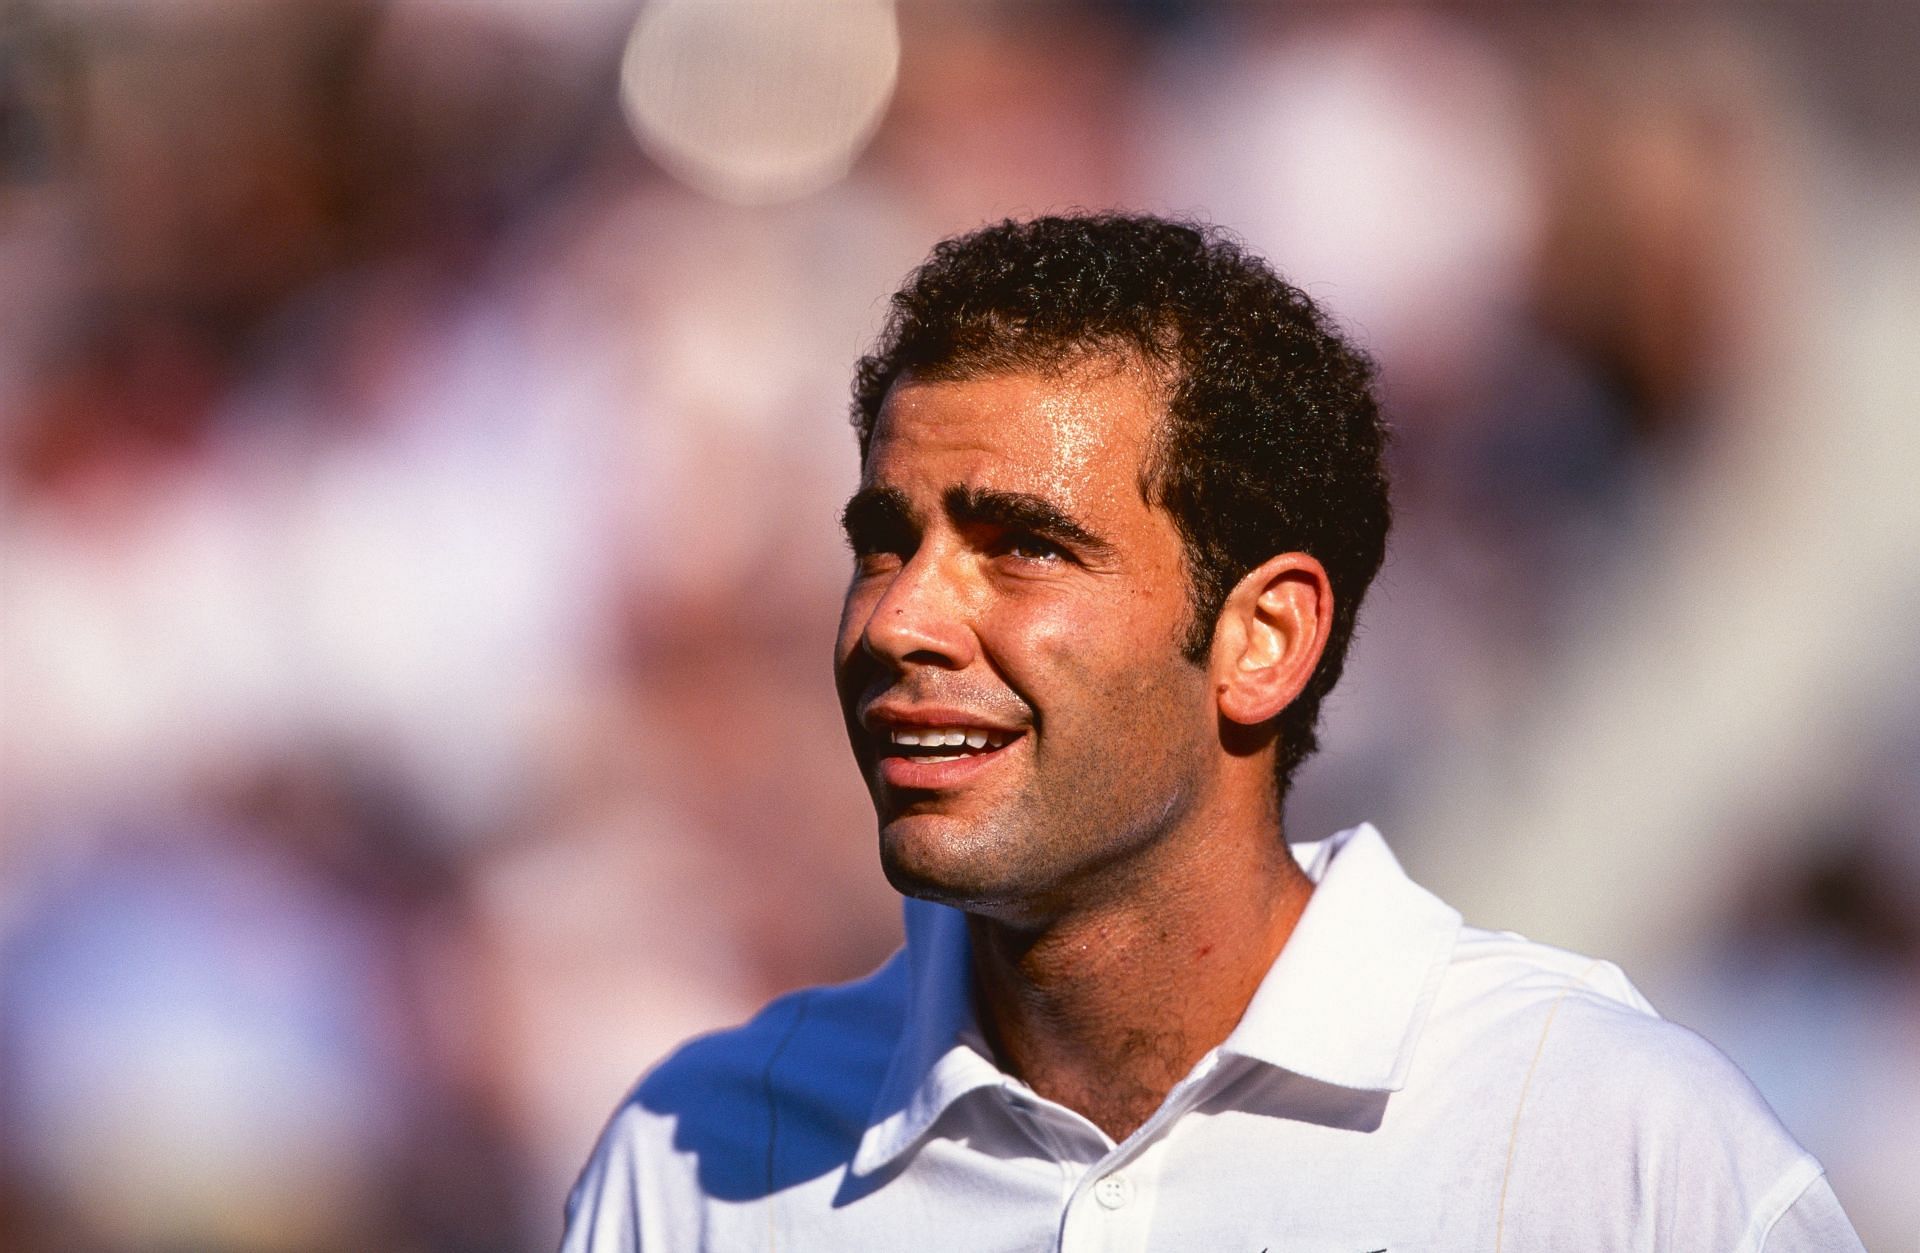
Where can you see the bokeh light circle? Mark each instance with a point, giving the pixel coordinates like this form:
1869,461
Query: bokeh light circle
759,101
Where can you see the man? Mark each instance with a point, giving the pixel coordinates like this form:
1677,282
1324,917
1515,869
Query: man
1121,497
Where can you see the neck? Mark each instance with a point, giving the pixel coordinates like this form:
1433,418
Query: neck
1105,1009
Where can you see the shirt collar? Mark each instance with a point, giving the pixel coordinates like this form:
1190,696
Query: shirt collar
1345,1001
1343,1004
941,1055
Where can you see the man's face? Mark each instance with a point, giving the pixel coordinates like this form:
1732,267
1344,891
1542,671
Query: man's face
1014,592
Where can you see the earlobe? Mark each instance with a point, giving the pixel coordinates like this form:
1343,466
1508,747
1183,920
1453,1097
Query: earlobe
1271,633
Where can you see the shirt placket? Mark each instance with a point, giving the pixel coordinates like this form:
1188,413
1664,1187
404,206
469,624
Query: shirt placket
1110,1207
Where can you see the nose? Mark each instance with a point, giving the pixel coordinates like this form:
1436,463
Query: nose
922,616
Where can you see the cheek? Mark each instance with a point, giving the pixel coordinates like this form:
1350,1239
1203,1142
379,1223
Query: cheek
847,637
1096,661
849,676
855,609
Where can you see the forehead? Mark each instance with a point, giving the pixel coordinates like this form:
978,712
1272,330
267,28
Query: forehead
1079,435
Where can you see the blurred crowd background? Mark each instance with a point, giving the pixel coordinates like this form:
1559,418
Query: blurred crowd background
422,428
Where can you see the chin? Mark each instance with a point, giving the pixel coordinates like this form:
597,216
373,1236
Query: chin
935,857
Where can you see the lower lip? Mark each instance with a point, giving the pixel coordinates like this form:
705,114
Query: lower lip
915,773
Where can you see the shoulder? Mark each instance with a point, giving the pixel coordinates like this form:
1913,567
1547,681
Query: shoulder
801,1077
1568,1014
1611,1115
822,1045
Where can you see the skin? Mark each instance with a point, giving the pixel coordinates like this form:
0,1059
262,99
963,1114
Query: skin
1121,859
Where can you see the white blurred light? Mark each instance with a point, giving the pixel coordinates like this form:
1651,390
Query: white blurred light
759,101
1385,164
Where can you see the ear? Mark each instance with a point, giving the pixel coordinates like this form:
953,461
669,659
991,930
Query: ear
1270,635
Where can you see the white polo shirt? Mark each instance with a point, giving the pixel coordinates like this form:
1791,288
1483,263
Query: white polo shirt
1398,1082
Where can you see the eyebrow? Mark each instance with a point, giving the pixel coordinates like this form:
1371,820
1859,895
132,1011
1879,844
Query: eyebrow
873,511
1022,511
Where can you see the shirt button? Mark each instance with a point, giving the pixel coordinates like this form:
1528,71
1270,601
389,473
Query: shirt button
1114,1191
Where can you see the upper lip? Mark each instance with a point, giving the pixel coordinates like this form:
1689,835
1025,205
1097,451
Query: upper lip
882,718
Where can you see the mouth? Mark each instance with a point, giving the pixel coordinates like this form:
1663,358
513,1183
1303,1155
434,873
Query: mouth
939,756
937,744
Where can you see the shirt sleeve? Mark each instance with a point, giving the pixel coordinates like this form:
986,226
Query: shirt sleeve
1814,1223
603,1211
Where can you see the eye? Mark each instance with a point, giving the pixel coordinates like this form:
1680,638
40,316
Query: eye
880,547
878,558
1026,546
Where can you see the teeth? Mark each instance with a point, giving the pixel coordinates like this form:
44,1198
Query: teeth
949,737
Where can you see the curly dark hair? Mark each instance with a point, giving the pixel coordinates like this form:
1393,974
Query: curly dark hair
1272,439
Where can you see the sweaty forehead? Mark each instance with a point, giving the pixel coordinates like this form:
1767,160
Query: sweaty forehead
1077,436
